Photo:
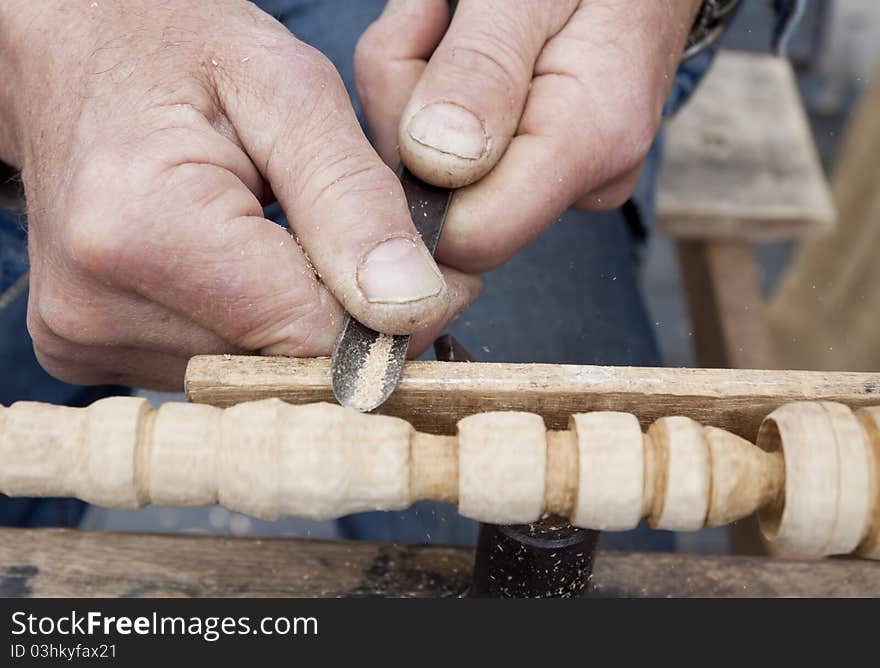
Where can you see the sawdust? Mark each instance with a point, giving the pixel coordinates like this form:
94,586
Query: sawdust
370,381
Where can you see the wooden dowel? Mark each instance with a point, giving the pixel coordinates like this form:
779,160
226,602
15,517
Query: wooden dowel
434,467
434,396
813,474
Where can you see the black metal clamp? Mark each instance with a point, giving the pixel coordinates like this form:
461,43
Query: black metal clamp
545,559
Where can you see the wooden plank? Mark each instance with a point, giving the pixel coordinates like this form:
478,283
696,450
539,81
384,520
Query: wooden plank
435,395
62,562
727,311
65,563
740,161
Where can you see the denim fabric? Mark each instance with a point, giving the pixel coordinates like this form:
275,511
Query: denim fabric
571,297
788,13
13,250
687,78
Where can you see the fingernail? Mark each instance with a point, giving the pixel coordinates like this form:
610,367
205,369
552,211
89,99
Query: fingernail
398,271
449,128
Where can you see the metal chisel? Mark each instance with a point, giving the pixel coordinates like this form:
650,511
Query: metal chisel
366,365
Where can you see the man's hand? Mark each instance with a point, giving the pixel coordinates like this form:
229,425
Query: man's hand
150,135
539,105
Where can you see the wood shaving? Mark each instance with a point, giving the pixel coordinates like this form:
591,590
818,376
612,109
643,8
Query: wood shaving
370,382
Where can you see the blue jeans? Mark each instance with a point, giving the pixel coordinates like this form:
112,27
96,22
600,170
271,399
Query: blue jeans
571,297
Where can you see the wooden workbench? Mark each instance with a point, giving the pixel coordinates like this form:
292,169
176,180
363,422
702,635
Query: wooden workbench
66,563
740,166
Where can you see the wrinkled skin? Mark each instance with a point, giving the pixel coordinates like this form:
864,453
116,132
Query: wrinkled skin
151,135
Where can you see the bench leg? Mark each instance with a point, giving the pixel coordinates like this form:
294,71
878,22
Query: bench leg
723,290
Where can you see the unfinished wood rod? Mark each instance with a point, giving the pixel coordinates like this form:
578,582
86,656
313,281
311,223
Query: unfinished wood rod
814,475
434,396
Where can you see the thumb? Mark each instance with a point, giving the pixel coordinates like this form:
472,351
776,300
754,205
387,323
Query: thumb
388,62
347,209
467,104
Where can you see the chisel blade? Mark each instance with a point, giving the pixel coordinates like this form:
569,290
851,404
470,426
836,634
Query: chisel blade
366,365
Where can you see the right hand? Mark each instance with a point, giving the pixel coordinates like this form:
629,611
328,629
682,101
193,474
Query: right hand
150,135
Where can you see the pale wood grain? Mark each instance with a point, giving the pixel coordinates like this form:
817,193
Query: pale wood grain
271,459
434,396
740,162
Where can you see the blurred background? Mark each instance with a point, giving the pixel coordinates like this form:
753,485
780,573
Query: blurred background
835,53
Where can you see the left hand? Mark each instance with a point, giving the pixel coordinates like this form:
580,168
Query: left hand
529,107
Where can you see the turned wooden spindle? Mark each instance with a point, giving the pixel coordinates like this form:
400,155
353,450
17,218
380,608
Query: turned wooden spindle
813,475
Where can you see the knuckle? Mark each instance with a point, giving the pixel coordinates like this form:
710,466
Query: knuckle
610,200
475,251
313,67
636,145
318,118
39,331
486,257
53,353
494,60
102,167
606,147
209,192
280,62
67,370
56,323
295,324
56,367
345,176
371,67
90,235
628,135
94,244
369,54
